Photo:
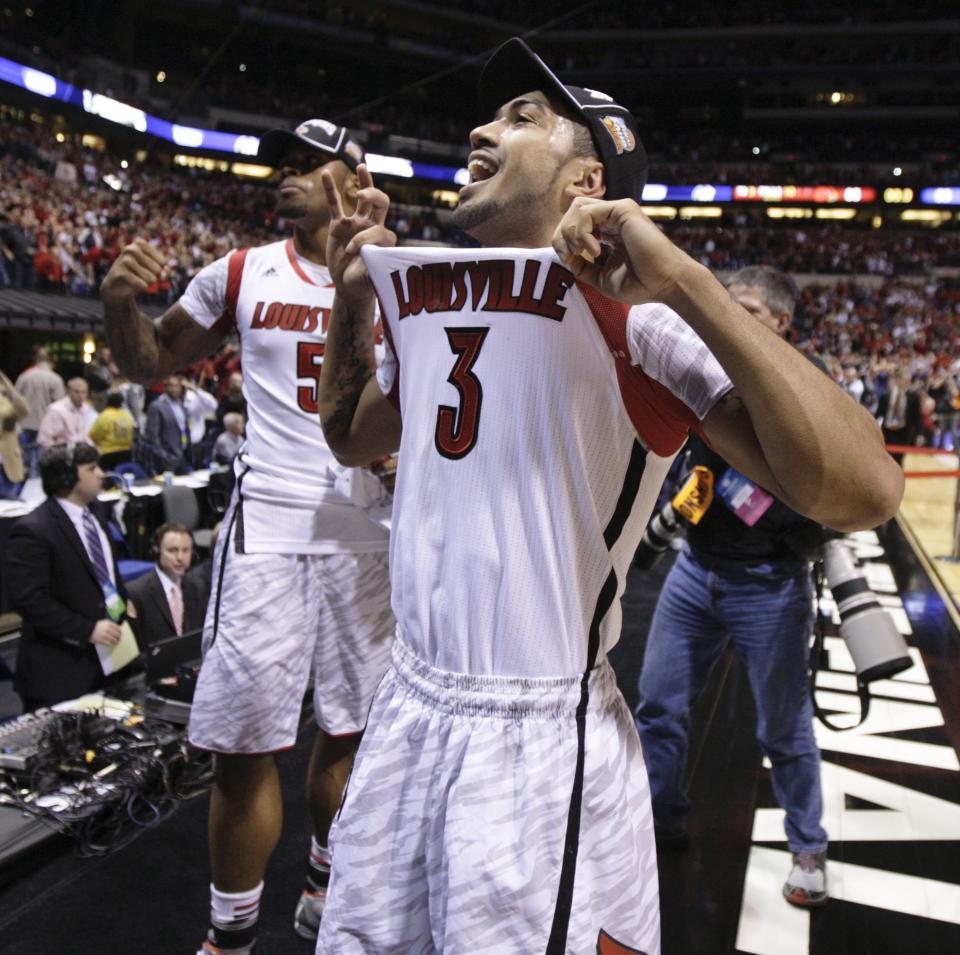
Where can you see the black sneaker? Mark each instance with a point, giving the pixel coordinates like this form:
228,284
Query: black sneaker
306,920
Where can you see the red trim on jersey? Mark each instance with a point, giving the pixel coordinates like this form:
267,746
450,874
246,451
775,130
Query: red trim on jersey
228,320
394,394
295,265
608,945
661,419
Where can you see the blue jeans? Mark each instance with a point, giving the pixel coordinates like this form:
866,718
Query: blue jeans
9,490
31,451
770,620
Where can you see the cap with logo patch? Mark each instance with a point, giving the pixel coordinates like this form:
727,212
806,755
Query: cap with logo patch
514,69
318,134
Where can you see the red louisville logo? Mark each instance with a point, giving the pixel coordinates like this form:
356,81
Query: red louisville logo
607,945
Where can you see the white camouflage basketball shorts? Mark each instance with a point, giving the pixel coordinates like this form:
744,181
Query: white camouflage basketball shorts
280,618
453,828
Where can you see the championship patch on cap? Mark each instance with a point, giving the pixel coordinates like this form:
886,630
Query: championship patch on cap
353,151
620,133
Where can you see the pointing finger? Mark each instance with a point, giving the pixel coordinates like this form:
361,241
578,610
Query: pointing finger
333,195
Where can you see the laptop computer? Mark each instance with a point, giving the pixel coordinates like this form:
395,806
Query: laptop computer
172,676
167,657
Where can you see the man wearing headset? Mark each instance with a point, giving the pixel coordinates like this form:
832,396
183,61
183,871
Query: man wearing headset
63,580
168,602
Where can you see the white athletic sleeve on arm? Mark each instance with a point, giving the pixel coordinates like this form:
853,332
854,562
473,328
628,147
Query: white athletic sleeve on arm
670,351
205,298
387,368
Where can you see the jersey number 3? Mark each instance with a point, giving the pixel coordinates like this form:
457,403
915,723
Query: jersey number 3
456,432
309,365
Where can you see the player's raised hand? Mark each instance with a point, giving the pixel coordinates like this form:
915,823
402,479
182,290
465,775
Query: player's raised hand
615,247
348,234
137,267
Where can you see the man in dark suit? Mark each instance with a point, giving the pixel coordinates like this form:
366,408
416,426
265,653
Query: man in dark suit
64,582
167,430
168,602
899,411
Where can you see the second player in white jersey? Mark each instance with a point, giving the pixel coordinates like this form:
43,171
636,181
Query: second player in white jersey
300,572
513,384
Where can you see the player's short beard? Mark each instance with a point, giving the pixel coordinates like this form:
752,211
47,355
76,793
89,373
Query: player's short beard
512,219
472,214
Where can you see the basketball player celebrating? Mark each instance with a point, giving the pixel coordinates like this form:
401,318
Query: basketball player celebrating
301,584
499,801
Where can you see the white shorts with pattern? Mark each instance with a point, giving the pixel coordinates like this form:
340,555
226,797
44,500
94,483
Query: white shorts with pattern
281,618
452,830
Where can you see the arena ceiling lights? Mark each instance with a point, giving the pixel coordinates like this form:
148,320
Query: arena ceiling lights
189,137
112,110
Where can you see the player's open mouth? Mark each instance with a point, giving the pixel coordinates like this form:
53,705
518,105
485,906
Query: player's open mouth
481,168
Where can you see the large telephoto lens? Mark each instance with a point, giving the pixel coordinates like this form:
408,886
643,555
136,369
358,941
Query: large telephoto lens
877,647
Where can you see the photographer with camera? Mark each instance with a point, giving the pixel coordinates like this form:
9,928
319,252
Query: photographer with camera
737,578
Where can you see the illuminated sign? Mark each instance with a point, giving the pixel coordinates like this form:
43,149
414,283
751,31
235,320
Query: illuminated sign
941,195
896,194
115,111
817,194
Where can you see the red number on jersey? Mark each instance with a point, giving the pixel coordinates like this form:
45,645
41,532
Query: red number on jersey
457,427
309,365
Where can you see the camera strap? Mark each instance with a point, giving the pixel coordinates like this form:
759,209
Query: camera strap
818,655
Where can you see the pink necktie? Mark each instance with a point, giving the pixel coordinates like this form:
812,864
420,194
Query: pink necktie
176,608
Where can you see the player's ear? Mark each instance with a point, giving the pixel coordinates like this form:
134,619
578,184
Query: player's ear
588,180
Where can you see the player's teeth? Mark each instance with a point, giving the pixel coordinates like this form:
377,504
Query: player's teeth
480,169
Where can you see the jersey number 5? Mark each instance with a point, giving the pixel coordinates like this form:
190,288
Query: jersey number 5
309,365
456,432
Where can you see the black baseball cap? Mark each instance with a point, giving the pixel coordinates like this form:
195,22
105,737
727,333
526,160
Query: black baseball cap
514,69
318,134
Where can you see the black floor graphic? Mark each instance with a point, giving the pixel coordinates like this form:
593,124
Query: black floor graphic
891,806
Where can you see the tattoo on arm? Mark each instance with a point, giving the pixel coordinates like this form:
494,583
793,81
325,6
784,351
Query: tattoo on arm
147,350
132,337
355,367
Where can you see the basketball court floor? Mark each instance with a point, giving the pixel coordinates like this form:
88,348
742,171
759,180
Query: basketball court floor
891,794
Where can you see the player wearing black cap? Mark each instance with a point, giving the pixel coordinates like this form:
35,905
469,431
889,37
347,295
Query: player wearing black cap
499,802
301,587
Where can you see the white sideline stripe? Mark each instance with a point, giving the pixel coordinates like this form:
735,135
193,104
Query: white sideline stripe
769,925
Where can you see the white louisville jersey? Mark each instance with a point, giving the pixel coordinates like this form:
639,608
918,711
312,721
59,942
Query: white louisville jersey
539,421
279,302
